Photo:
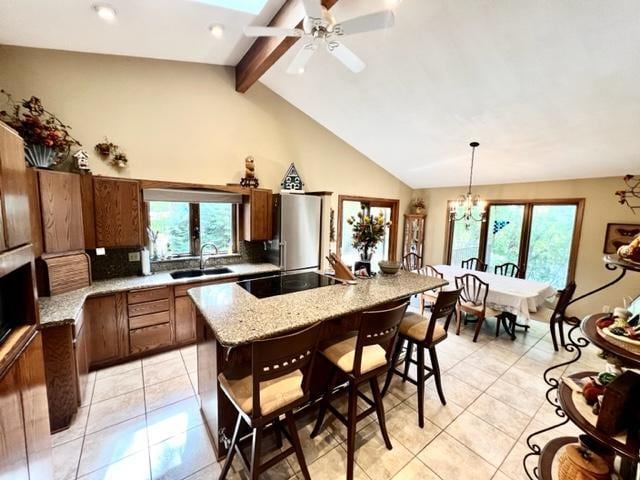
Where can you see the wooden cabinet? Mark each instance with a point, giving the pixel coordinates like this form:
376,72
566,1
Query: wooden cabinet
25,442
413,237
14,191
13,451
61,211
258,215
33,389
150,312
117,212
185,320
107,322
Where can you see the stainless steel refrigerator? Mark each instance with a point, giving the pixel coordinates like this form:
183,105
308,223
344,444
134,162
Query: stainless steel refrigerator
296,240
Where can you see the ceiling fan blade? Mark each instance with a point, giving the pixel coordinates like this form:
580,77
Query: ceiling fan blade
302,58
313,8
273,32
346,56
365,23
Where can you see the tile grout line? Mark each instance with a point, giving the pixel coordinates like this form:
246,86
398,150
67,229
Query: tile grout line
86,425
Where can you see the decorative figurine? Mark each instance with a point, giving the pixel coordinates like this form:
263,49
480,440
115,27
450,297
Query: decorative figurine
292,183
249,180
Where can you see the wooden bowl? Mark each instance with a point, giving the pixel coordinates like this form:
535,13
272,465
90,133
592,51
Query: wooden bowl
389,268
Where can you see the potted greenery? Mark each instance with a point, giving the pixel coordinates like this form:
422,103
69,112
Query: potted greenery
46,138
367,231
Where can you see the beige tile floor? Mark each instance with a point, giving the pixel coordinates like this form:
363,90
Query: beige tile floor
143,422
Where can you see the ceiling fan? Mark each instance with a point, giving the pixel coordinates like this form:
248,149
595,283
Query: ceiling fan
319,28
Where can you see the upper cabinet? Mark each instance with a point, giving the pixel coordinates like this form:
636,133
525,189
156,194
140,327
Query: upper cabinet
61,211
258,215
14,191
116,206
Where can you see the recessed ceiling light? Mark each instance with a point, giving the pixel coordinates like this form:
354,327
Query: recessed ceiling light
300,70
105,11
216,30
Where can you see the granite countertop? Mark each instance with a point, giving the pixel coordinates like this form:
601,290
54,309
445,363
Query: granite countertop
64,308
237,317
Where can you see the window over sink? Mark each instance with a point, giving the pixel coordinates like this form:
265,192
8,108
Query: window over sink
183,225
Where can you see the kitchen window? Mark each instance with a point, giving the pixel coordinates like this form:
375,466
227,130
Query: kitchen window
349,206
183,225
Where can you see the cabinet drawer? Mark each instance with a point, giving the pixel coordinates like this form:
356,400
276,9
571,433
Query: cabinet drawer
148,338
148,320
148,307
147,295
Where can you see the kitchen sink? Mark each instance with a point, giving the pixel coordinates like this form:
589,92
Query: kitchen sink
200,273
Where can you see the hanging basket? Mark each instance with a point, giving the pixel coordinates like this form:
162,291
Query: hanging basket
40,156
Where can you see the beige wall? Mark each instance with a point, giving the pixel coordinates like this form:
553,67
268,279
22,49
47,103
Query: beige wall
185,122
601,208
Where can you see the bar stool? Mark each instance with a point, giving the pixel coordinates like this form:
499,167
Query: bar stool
279,383
425,333
361,356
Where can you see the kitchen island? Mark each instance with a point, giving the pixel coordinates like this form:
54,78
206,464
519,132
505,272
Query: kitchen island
229,319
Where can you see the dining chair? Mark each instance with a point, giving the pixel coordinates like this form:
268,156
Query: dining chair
557,315
473,301
424,333
430,296
508,270
411,262
361,357
278,383
474,263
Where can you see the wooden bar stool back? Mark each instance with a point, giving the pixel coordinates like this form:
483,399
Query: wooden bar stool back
279,382
473,301
429,297
361,357
424,333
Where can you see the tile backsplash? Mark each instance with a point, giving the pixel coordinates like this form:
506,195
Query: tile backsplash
116,261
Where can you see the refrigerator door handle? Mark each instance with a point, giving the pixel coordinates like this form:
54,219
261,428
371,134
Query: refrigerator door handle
283,255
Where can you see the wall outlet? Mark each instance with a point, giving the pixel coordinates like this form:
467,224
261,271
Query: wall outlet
134,256
100,251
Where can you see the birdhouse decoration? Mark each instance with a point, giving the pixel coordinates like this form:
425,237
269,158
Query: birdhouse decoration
82,161
292,183
249,179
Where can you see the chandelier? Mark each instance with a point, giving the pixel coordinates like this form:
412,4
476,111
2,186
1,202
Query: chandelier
468,207
625,197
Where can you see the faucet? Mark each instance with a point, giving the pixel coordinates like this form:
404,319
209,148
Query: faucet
202,260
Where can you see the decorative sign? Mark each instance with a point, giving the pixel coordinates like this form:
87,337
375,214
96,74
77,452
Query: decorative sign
292,181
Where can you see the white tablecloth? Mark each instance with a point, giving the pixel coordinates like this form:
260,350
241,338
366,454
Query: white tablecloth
508,294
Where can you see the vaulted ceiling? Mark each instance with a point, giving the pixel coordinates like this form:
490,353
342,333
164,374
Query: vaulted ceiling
550,89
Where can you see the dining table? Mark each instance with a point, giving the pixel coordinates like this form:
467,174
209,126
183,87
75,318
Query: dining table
517,296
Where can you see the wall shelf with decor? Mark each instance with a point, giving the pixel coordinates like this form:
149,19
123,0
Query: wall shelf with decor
566,397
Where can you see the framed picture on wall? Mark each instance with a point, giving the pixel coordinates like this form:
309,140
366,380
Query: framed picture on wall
619,234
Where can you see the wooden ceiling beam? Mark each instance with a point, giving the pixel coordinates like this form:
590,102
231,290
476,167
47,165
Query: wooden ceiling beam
266,51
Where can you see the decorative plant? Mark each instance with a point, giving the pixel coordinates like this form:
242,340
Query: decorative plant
367,230
419,204
38,126
111,152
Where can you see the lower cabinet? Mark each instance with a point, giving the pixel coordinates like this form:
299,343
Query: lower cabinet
108,324
185,320
25,442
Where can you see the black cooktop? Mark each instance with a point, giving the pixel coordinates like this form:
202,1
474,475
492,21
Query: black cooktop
287,283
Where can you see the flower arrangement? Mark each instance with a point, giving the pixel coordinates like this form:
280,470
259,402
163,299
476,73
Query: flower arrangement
368,231
419,204
37,126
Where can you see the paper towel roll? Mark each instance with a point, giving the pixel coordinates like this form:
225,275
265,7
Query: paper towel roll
146,262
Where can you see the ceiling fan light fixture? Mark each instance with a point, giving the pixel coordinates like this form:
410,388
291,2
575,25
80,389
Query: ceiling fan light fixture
216,30
105,11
